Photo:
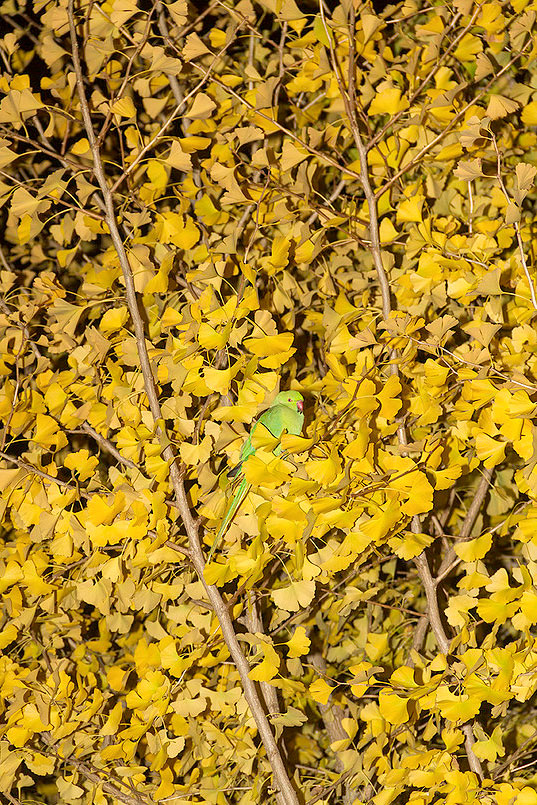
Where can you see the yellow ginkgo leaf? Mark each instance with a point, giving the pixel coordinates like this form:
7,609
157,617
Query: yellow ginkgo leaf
500,106
47,433
124,107
409,545
219,380
388,397
179,230
178,158
268,667
81,147
528,605
393,708
114,319
171,318
490,451
269,344
529,114
326,470
194,454
266,470
320,691
299,644
468,47
82,463
377,645
387,101
387,231
295,596
491,748
202,108
496,609
113,721
473,549
456,706
410,210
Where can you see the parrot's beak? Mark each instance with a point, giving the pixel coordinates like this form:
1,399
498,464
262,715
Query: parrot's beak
300,405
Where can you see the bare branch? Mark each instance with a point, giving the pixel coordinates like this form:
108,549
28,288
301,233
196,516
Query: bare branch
468,524
452,123
333,715
97,776
324,157
516,224
438,63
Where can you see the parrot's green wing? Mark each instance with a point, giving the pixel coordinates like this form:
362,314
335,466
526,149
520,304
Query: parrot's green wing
285,414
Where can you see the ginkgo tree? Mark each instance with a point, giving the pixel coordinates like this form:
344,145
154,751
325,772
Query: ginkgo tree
203,206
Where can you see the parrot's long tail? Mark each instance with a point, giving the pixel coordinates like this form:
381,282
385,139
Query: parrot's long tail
238,497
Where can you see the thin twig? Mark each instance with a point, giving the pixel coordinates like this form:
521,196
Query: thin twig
137,49
502,767
11,799
309,148
468,524
23,465
332,715
174,83
453,122
174,546
107,445
94,776
438,63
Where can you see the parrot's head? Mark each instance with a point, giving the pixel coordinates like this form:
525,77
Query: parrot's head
293,399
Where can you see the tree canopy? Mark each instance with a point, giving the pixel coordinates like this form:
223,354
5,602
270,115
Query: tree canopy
202,205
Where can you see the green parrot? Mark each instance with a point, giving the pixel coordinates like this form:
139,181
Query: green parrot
285,414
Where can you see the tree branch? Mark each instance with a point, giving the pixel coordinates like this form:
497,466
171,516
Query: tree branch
107,445
421,562
46,477
171,117
285,791
94,776
468,524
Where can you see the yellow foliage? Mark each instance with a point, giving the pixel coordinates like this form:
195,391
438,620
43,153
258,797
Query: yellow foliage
271,201
299,643
268,667
388,101
392,707
297,595
474,549
320,691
